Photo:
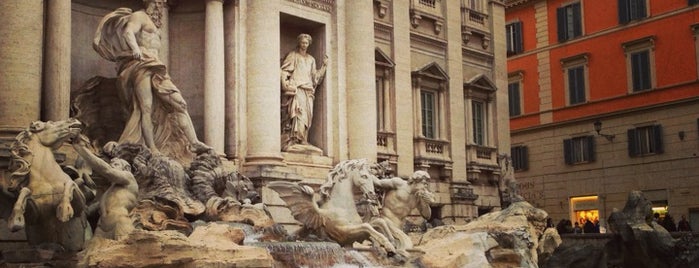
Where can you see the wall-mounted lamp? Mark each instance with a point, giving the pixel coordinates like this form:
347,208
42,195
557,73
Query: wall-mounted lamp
598,128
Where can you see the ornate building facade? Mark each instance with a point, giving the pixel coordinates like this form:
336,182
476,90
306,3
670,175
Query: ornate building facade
604,100
417,83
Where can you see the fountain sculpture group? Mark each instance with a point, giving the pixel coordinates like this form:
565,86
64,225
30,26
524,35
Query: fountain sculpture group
153,194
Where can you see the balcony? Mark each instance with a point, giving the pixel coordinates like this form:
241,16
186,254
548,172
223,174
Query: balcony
482,154
430,9
475,22
432,151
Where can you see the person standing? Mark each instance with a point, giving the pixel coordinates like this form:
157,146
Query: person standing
683,225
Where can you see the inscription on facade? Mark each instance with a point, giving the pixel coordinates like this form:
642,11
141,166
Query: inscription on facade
323,5
530,191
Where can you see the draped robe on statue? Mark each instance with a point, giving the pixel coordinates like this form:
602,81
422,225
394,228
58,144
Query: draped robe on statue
111,45
299,81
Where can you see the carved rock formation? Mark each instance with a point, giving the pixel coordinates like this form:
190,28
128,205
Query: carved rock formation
507,238
211,245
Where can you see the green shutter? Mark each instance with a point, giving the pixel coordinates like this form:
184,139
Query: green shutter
561,21
658,139
568,151
591,148
525,157
633,147
623,11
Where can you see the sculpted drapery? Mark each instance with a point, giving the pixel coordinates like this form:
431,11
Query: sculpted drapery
300,78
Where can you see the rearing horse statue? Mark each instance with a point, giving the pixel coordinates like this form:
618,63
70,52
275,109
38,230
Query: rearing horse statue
49,205
334,212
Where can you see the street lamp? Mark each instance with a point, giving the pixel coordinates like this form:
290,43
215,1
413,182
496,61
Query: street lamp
598,128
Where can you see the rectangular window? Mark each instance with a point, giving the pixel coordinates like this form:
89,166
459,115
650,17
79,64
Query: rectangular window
379,103
569,22
514,96
630,10
478,111
693,2
576,85
520,158
514,38
428,99
640,71
645,140
579,150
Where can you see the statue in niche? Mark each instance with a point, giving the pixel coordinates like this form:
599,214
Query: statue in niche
121,196
299,79
158,113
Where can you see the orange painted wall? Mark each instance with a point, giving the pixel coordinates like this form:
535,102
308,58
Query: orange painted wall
524,14
675,60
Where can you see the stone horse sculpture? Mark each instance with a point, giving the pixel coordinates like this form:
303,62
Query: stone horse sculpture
49,205
333,212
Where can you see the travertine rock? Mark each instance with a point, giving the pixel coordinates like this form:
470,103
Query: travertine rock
507,238
211,245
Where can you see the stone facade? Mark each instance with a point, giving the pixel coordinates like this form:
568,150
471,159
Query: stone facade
417,83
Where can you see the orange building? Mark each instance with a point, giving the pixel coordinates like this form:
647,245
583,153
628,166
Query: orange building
604,99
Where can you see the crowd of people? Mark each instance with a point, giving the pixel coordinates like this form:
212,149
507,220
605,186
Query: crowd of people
588,226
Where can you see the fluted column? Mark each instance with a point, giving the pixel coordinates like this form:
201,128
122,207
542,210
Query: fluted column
214,77
263,83
21,46
56,93
361,73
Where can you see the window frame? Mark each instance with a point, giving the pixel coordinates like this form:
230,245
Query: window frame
579,150
516,77
574,63
652,136
514,38
566,17
632,48
627,13
480,132
434,126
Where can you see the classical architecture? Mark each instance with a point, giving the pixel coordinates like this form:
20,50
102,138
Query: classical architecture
604,99
417,83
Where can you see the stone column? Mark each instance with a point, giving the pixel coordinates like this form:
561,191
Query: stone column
214,77
56,95
21,47
405,128
263,83
164,52
361,74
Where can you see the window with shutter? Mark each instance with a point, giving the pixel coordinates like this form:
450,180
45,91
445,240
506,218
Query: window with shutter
569,20
630,10
645,140
579,150
640,64
514,38
575,79
514,99
640,70
520,159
